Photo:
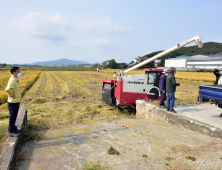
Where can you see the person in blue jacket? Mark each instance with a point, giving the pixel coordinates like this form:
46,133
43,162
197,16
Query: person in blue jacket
162,88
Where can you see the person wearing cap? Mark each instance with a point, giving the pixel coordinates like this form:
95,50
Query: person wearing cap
171,89
162,88
14,99
218,73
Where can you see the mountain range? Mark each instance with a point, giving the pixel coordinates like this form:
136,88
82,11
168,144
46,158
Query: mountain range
62,62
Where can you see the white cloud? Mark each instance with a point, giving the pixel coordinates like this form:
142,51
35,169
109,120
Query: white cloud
57,28
52,28
94,22
95,42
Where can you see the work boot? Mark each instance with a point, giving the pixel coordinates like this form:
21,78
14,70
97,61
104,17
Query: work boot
168,109
14,134
173,111
164,107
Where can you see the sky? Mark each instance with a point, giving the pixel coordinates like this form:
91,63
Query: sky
99,30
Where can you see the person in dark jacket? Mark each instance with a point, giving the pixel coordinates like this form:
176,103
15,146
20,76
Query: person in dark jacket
170,89
217,73
162,88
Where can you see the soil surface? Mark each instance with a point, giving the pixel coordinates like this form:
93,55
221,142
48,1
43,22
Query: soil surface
142,145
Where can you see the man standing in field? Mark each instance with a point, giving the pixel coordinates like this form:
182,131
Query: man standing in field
162,87
170,89
14,99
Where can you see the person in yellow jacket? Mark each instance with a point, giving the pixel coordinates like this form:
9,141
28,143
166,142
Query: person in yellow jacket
14,99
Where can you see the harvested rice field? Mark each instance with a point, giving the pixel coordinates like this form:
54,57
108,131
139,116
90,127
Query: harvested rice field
60,98
69,127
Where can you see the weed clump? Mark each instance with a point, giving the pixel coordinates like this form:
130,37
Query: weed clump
145,156
39,100
113,151
192,158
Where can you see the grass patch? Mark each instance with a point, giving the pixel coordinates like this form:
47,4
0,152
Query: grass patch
4,130
4,116
78,130
30,135
96,166
3,133
169,158
39,100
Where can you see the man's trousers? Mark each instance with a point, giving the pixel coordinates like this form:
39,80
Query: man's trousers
13,112
163,98
170,100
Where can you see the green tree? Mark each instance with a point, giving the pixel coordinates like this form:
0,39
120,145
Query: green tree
113,64
207,49
161,63
151,65
105,64
97,65
131,62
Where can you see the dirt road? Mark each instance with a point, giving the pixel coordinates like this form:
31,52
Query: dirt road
141,145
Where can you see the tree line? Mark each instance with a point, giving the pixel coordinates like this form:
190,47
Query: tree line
207,49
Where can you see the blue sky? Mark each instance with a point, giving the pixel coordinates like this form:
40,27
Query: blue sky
99,30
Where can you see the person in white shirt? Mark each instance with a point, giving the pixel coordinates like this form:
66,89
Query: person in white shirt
220,78
217,73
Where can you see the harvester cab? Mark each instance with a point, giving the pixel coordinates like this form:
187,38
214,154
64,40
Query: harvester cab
126,89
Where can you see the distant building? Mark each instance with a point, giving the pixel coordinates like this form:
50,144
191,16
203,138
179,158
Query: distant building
205,63
196,61
216,55
122,64
177,62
